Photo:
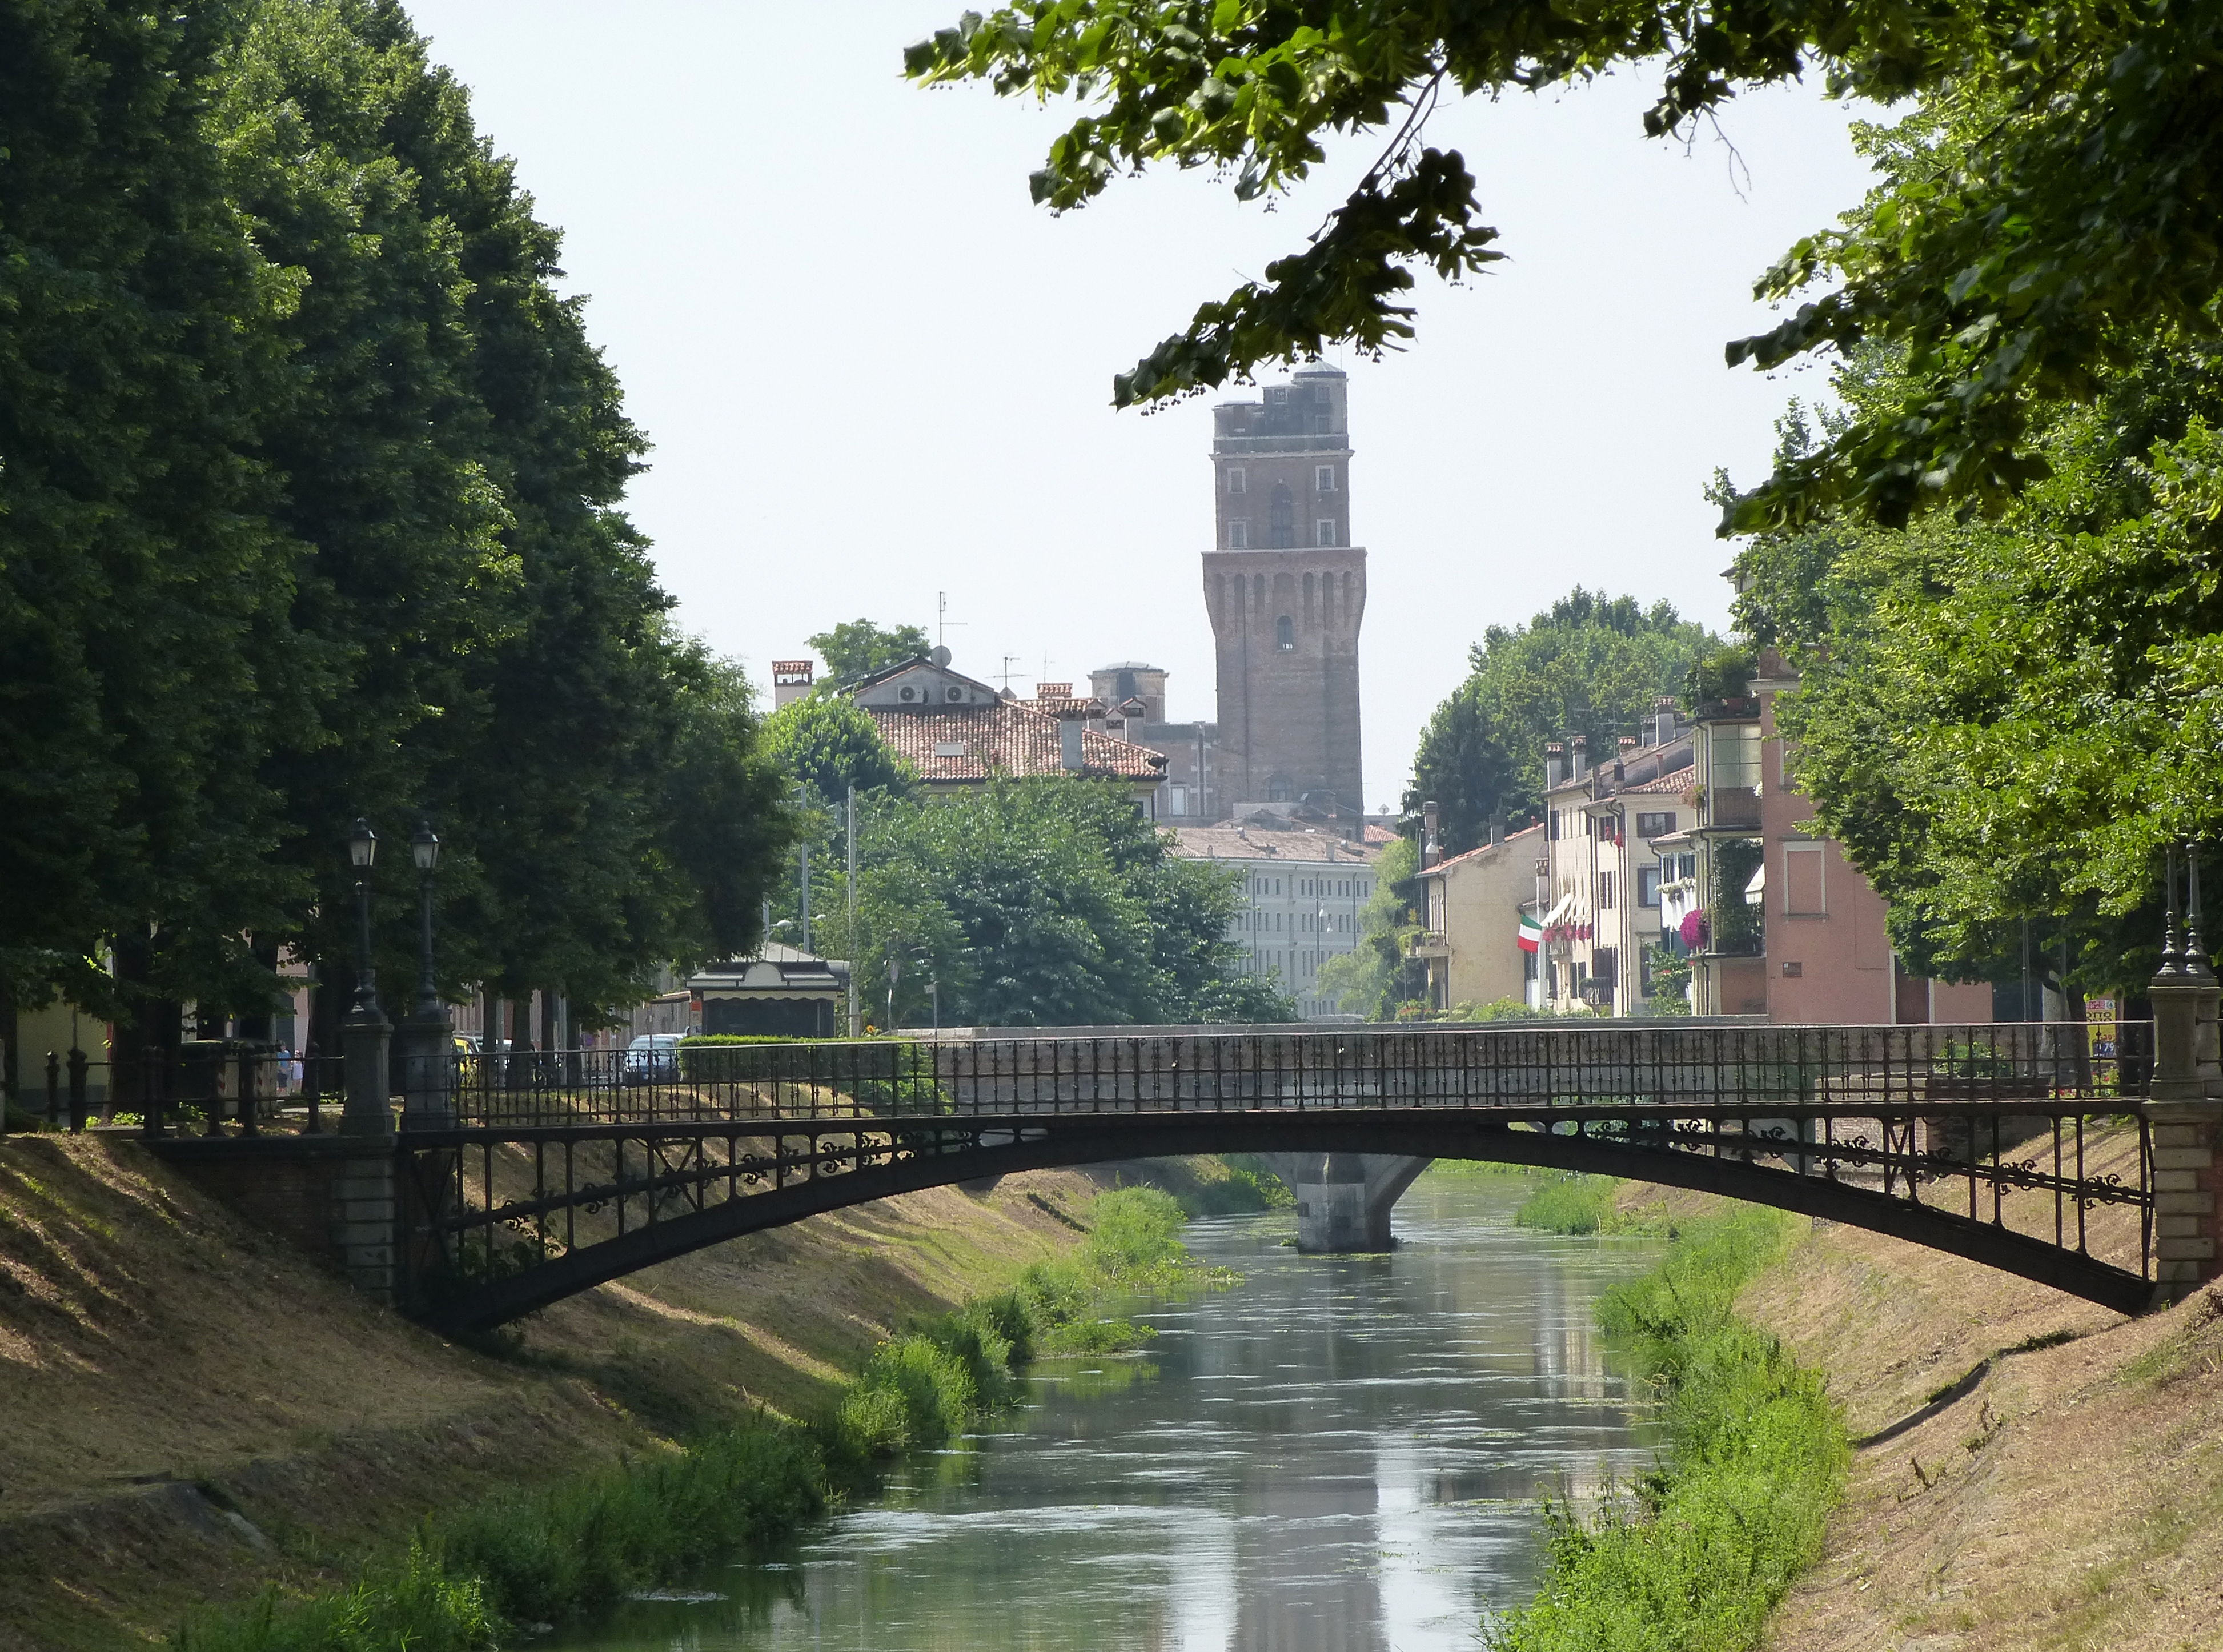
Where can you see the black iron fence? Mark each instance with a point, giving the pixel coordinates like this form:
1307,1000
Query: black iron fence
209,1086
1526,1064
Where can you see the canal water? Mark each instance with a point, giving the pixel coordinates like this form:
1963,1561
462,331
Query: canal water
1341,1454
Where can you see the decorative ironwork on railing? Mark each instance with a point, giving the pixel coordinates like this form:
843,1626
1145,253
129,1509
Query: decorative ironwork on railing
1998,1141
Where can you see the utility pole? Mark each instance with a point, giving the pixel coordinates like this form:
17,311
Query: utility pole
856,1011
802,804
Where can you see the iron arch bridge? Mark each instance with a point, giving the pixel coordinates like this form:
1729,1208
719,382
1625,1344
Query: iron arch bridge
2021,1147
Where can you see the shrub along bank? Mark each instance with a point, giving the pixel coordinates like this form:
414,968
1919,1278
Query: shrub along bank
474,1580
1698,1553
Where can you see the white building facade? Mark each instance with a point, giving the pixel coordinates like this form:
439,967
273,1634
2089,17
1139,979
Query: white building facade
1302,893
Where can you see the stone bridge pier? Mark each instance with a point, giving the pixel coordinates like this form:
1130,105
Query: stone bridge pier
1344,1200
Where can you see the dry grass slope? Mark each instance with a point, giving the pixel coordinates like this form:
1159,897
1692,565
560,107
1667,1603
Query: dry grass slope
188,1410
2041,1473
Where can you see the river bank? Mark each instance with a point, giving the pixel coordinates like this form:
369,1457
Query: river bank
194,1411
2029,1470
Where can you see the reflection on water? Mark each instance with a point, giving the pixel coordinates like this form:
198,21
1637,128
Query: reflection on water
1342,1454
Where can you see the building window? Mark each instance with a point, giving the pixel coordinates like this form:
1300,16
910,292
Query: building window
1177,800
1605,892
1804,895
1326,529
1324,478
1277,395
1647,884
1281,520
1655,825
1285,634
1238,533
1235,478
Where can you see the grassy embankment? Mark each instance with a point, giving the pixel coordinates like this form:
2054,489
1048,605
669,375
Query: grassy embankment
568,1551
195,1411
1698,1553
2028,1470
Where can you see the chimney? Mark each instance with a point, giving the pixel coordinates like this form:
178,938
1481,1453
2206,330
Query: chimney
1554,764
791,681
1579,757
1432,846
1068,743
1627,745
1664,720
1496,831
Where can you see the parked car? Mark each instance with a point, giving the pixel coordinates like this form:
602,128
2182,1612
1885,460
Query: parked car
653,1058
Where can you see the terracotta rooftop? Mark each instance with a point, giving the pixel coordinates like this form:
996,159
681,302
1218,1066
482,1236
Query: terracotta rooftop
1511,838
1251,843
967,743
1674,783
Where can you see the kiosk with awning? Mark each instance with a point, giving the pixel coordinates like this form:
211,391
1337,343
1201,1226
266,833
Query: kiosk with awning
779,992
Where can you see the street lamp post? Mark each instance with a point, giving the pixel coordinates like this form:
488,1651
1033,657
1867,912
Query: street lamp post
367,1111
428,1035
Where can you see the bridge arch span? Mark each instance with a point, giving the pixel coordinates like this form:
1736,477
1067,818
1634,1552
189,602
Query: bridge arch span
1779,1173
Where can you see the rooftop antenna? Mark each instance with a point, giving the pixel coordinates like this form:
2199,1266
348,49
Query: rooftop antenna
1006,673
942,621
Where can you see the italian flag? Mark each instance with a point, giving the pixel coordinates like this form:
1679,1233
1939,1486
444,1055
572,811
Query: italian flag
1532,934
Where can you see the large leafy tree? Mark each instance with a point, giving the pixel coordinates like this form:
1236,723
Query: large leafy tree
1043,903
310,488
1590,664
146,653
2004,717
2078,223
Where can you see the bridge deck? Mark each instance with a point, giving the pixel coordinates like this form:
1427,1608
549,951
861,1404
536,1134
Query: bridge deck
2001,1143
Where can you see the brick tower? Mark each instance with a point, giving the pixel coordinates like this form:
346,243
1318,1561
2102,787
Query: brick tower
1287,589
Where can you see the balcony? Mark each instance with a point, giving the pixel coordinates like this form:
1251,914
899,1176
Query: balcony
1732,806
1428,944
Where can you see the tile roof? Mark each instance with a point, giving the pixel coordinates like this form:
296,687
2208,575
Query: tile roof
1510,839
1253,843
1675,782
1007,737
1379,834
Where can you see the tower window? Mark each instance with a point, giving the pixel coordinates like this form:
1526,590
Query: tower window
1235,478
1281,519
1278,395
1285,634
1238,533
1326,528
1323,479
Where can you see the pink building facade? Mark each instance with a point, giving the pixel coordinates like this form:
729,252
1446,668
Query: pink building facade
1827,954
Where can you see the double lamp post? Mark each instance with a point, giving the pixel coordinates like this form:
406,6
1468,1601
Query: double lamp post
426,1044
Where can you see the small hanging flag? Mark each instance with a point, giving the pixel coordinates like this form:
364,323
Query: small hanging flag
1532,934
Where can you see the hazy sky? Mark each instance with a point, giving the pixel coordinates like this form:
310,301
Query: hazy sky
874,372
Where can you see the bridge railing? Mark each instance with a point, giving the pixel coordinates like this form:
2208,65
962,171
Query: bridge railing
1235,1068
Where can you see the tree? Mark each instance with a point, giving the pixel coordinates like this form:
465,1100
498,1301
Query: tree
1589,666
2000,721
854,650
830,744
310,509
146,650
1378,975
1041,903
2073,225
